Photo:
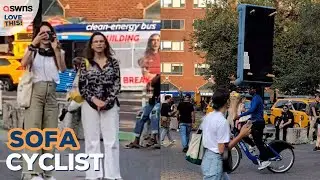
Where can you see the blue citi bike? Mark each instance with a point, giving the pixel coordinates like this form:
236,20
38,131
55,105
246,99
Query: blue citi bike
280,153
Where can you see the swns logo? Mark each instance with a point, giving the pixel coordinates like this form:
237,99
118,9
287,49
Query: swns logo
16,15
11,20
17,8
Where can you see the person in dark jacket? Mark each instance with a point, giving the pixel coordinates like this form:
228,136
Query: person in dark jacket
285,121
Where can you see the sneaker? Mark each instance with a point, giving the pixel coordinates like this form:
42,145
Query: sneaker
172,142
37,178
27,176
50,178
316,149
185,150
163,143
156,146
263,164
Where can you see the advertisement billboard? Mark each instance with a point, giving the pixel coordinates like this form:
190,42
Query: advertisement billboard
129,42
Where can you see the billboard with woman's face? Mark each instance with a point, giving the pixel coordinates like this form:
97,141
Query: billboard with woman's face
136,46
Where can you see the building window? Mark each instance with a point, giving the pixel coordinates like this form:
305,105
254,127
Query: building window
200,68
173,3
172,45
204,3
172,68
172,24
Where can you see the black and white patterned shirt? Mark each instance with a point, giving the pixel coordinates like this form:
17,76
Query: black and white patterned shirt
103,84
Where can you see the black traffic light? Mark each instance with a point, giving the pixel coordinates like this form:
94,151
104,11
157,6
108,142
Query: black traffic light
255,49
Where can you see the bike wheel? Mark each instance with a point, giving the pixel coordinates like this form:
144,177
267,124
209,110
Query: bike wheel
286,162
236,157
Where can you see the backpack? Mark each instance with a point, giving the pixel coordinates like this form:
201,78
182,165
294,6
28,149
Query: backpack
74,94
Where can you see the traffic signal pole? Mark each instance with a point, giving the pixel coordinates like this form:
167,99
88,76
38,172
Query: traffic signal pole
38,19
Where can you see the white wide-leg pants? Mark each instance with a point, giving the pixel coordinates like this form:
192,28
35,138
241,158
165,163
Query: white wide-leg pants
106,122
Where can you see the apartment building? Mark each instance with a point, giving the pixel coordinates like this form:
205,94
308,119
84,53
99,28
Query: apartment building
180,66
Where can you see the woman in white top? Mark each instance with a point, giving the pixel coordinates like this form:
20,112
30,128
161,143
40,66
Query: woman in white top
44,58
216,135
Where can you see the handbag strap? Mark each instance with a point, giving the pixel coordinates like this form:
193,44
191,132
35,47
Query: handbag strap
199,147
32,56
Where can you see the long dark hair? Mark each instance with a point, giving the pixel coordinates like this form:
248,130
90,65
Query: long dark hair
44,23
149,50
108,51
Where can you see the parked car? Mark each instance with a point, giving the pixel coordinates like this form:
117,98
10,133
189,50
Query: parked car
301,110
11,72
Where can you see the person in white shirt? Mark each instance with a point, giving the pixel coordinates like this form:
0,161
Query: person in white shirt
44,58
216,135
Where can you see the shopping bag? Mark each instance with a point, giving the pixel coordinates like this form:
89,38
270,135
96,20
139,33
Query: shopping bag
227,160
196,149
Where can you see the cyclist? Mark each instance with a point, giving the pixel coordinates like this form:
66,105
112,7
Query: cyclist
258,125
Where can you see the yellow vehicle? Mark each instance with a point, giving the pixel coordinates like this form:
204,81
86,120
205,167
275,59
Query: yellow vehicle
21,42
247,106
10,71
300,109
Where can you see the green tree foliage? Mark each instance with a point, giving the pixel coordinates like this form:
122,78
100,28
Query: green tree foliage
296,43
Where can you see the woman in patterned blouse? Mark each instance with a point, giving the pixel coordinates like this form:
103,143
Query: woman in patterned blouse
99,85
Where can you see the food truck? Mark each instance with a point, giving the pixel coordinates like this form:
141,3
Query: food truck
127,39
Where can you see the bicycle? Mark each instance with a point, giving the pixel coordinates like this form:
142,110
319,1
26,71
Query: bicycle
275,153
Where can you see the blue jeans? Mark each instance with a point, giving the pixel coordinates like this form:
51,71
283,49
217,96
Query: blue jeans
155,125
211,166
185,131
165,132
139,125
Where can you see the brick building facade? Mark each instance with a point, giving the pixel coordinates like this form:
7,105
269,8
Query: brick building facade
180,66
110,10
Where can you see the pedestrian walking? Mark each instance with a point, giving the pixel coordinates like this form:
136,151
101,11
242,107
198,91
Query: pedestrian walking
216,137
186,120
166,114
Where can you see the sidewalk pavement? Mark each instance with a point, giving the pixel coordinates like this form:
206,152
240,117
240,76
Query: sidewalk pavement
173,163
135,164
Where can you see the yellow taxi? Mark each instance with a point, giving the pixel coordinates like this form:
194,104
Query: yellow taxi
266,115
300,109
11,72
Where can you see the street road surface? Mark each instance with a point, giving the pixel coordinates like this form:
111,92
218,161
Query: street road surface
306,166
